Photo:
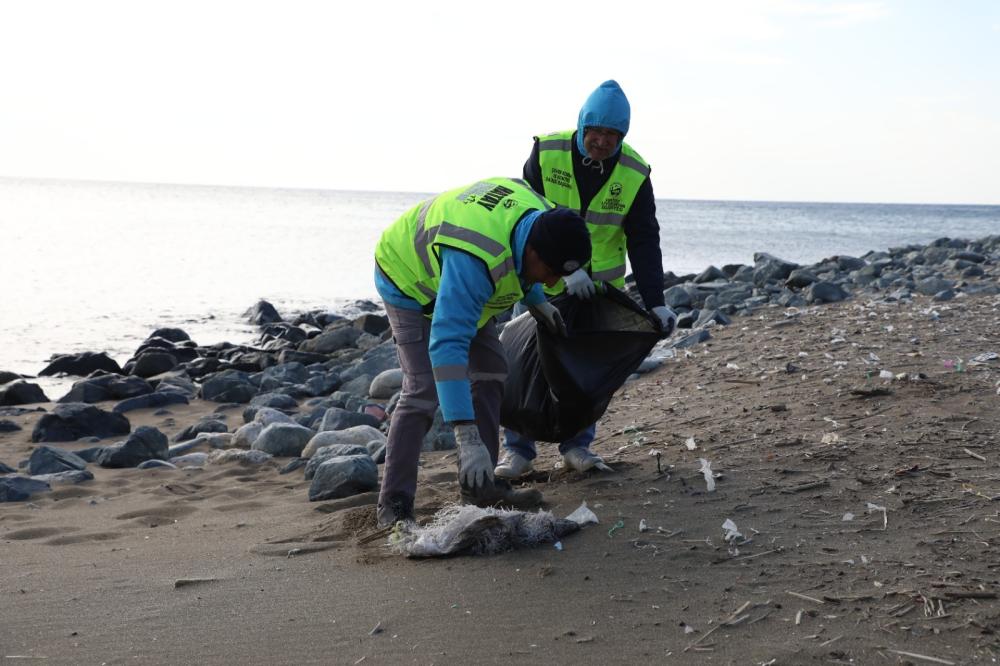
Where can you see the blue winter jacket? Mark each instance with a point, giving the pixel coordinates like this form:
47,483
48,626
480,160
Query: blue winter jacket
464,289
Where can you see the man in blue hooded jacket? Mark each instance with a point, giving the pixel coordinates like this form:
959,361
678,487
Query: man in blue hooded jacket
444,270
593,171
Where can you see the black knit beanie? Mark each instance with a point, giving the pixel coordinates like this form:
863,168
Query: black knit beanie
561,239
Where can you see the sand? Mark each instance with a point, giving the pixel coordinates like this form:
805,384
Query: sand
232,564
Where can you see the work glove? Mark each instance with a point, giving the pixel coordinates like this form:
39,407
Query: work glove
667,317
579,284
475,467
549,316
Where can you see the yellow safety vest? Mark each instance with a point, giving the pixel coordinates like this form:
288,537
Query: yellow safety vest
479,219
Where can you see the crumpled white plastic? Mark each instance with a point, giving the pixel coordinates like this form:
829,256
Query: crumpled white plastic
706,470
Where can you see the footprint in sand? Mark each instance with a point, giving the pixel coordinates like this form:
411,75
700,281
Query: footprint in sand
240,506
155,516
37,533
83,538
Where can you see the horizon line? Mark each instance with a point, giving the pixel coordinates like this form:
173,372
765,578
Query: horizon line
93,181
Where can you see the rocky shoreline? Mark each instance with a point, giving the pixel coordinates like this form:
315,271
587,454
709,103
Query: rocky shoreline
316,390
814,483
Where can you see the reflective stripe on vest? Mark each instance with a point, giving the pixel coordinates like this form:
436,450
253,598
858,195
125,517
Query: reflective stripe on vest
478,219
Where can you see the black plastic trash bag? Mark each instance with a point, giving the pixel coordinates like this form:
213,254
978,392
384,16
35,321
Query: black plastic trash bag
556,386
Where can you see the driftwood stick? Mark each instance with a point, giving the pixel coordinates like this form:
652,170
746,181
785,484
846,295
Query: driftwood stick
724,623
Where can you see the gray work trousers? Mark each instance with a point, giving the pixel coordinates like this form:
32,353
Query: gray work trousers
414,413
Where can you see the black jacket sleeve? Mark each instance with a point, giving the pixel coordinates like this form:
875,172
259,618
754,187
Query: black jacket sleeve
533,171
642,240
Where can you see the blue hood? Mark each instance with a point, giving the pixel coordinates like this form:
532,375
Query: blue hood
606,107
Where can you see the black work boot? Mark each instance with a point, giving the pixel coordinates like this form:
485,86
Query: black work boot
397,508
499,493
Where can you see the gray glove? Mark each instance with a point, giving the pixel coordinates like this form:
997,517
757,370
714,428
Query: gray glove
475,467
549,316
579,284
667,317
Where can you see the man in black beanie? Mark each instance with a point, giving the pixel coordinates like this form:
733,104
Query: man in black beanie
444,270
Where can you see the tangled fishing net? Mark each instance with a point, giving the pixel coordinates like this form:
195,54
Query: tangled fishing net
471,530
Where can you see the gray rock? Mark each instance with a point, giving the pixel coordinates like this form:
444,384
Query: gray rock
206,424
8,426
283,375
343,476
332,451
712,316
69,477
153,362
357,386
154,464
323,383
932,285
107,387
71,421
847,264
710,274
336,418
81,364
973,271
825,292
768,268
687,319
974,257
276,401
262,313
153,400
800,278
240,456
283,440
247,434
268,415
373,362
228,386
50,460
944,295
355,435
387,383
331,340
146,443
20,488
677,296
697,337
293,465
195,459
20,392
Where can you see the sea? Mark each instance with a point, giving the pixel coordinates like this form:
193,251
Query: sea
95,266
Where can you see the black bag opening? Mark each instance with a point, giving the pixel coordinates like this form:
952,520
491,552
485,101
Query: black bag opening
556,386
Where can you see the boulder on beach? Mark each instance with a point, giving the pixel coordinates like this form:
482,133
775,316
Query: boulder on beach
107,387
283,439
262,312
71,421
20,392
146,443
343,476
81,364
50,460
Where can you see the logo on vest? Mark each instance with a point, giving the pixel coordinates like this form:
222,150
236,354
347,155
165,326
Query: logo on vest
559,178
509,203
490,199
616,189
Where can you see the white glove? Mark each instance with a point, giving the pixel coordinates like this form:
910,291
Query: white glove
475,467
667,317
579,284
548,315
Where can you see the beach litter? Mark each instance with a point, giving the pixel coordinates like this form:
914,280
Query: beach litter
706,470
885,514
471,530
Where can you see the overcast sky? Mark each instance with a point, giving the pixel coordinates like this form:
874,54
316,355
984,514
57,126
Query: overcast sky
881,101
